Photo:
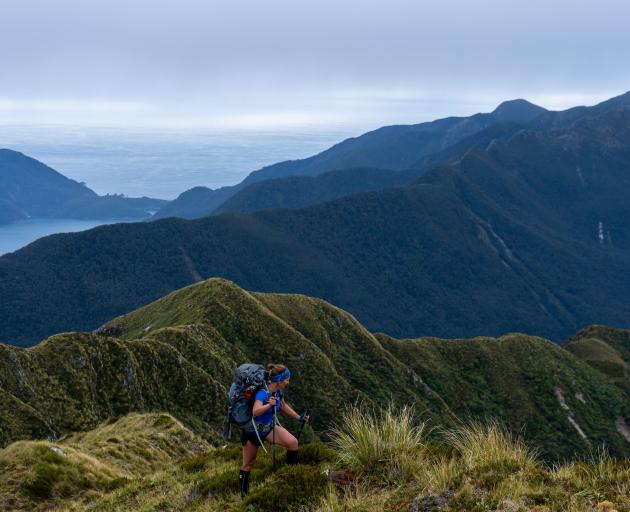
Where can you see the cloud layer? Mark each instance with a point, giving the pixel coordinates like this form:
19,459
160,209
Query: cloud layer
283,63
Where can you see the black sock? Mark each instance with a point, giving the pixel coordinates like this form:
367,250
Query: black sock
243,481
292,456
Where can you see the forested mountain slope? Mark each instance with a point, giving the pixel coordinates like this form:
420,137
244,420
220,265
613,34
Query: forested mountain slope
528,235
389,147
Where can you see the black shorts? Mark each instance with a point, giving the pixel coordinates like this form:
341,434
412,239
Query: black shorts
251,436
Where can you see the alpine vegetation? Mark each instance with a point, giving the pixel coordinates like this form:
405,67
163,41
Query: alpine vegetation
151,462
386,441
418,436
474,467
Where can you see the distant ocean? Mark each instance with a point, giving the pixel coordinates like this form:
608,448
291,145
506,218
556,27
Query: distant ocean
161,164
148,163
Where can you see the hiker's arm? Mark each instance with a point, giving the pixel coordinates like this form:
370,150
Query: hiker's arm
288,410
260,408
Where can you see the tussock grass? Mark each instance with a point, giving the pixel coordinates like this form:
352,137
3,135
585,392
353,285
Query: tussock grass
489,444
597,478
379,443
478,467
139,443
387,464
33,474
36,474
436,476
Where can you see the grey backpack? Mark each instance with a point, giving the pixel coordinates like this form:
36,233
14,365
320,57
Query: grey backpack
248,379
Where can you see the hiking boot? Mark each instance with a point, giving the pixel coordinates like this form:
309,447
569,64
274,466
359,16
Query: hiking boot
243,482
292,457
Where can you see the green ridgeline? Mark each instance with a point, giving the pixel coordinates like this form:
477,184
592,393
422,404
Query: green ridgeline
178,355
605,349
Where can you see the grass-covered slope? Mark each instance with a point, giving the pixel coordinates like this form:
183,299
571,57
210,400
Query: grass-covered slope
335,359
178,355
534,386
36,475
74,381
605,349
375,462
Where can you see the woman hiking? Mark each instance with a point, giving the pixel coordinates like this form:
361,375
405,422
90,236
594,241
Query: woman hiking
263,413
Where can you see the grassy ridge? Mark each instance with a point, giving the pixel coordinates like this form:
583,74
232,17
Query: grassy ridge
178,355
607,350
75,381
84,465
533,385
377,462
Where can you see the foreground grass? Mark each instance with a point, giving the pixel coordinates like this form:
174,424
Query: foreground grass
37,475
474,468
375,462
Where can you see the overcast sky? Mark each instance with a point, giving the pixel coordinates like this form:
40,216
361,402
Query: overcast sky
289,63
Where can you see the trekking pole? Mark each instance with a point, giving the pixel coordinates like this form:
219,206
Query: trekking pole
307,412
273,435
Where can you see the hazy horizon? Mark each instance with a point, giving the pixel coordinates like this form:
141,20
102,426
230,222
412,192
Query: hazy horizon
282,66
162,163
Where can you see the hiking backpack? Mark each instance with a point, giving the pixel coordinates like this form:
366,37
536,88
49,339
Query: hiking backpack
248,379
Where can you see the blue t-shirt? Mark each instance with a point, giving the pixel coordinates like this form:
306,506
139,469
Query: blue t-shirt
266,418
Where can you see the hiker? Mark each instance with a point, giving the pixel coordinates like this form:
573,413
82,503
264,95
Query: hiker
264,418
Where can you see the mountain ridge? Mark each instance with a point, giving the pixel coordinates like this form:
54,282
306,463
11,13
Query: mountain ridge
29,188
194,337
458,133
393,147
497,241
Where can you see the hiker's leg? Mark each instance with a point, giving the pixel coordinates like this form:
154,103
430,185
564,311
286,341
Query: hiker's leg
250,450
283,437
288,440
249,456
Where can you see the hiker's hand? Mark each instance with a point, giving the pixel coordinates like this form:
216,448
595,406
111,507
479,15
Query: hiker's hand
272,402
303,417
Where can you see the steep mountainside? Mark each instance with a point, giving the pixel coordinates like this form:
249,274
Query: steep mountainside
261,191
605,349
527,236
398,147
486,377
389,147
192,339
299,191
29,188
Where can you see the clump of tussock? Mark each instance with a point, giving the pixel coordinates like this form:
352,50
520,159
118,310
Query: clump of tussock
488,444
438,475
379,443
598,477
